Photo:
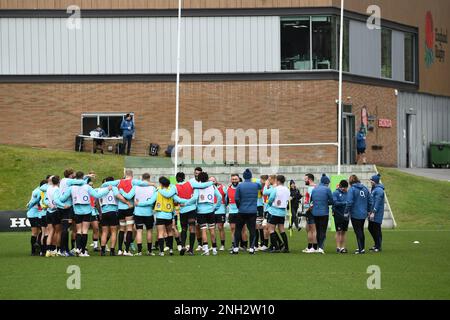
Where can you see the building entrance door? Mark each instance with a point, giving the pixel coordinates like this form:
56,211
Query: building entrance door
348,139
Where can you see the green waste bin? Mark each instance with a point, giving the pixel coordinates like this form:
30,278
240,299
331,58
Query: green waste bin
440,154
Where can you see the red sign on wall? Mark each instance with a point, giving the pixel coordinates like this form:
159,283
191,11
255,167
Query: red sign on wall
385,123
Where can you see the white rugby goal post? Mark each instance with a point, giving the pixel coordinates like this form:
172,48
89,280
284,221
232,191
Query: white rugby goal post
177,103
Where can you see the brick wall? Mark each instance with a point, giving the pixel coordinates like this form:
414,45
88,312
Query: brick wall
49,115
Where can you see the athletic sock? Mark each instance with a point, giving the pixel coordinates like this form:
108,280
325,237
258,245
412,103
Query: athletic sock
310,245
65,236
183,237
178,241
84,242
214,244
44,244
103,249
95,243
139,245
199,241
257,238
128,236
169,242
315,246
261,236
149,247
161,244
72,242
222,242
274,241
112,251
32,242
191,241
278,239
121,235
285,240
244,244
78,241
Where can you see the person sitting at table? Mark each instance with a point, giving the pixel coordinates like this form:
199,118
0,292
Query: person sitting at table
98,143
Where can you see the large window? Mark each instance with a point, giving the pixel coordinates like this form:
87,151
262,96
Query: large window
386,53
409,57
312,43
295,43
323,30
108,122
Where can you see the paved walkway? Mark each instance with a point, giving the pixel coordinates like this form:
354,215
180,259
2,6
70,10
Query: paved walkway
437,174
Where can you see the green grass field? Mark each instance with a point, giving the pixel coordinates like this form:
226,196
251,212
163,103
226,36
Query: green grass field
408,271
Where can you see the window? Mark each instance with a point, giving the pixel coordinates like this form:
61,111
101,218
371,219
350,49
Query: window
386,53
312,43
108,122
409,57
322,31
346,49
295,43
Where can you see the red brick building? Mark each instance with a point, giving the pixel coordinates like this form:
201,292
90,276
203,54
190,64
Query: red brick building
245,64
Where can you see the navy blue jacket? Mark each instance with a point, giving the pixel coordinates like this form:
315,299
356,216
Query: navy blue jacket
127,128
246,196
359,202
360,141
378,202
321,199
339,203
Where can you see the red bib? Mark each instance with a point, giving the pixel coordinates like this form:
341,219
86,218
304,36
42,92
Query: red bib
185,190
231,192
125,185
222,193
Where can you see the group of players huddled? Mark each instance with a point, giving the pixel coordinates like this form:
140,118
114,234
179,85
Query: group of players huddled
63,209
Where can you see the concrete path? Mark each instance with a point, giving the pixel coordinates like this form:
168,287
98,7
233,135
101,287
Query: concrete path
437,174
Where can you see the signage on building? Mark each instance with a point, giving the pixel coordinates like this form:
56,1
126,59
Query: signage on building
384,123
435,41
14,221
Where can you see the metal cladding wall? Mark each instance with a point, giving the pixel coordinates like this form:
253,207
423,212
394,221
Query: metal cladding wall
430,123
45,46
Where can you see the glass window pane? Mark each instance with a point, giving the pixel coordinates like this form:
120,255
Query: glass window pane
346,48
386,53
114,126
89,124
295,44
322,30
409,57
104,124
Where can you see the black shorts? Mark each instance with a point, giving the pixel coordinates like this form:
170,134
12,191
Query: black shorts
220,218
361,151
53,218
266,215
163,222
341,223
34,222
94,218
233,218
66,214
185,217
276,220
109,219
260,212
205,218
123,213
80,218
43,221
141,221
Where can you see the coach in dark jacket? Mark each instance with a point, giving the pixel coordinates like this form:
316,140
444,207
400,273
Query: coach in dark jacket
246,201
321,199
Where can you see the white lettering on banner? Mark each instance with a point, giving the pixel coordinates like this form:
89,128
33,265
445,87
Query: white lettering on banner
19,223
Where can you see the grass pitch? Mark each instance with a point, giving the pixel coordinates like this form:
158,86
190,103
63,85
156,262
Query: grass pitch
408,271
